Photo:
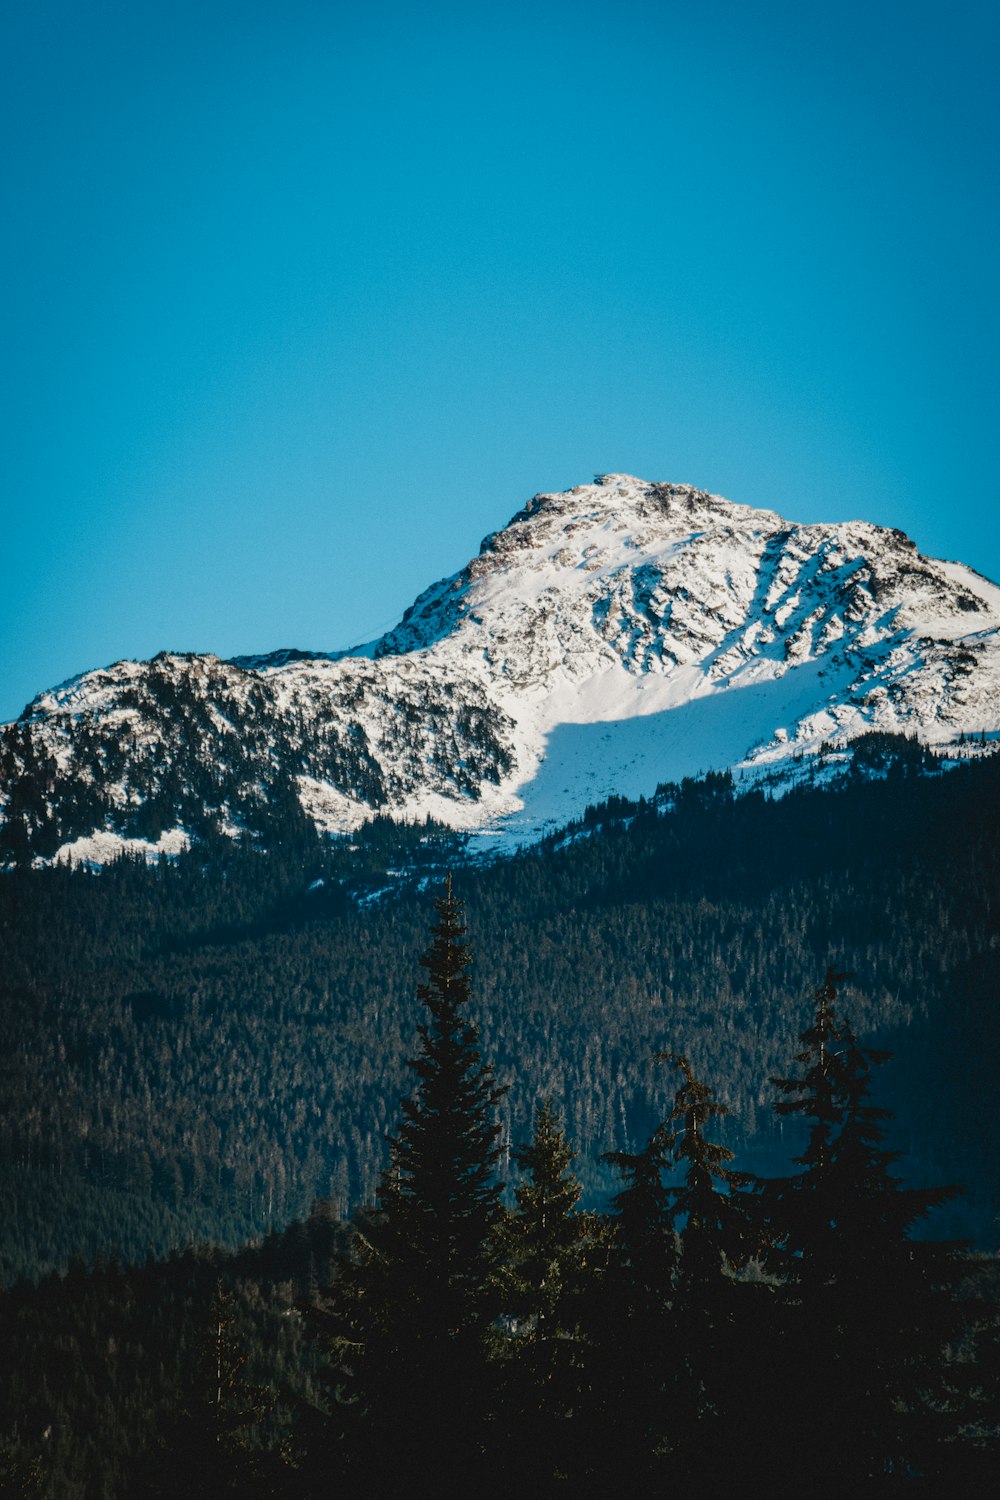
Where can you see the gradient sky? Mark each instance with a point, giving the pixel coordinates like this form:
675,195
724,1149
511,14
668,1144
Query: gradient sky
301,300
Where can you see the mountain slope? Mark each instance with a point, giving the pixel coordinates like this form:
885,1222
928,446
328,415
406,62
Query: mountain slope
195,1051
608,638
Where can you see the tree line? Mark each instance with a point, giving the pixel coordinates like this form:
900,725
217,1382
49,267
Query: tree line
197,1051
712,1329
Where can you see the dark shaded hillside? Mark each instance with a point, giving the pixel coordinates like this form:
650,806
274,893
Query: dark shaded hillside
692,1332
199,1050
99,1364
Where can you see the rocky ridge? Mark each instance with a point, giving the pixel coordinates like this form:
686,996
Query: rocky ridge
608,638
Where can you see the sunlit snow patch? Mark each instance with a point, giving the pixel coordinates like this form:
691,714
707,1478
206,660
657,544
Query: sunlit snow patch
630,756
101,847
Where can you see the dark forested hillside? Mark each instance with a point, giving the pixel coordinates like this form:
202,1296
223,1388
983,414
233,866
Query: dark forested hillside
198,1051
693,1331
108,1372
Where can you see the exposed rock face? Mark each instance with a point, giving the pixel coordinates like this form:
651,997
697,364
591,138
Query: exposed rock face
613,636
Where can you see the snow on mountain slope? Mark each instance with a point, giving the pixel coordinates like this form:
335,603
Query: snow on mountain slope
609,638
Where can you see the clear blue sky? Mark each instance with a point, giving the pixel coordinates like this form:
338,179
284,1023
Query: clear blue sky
300,300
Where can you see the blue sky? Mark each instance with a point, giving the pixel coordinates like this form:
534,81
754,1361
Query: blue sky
300,301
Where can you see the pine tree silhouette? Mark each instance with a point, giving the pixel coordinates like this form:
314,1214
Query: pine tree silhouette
713,1360
715,1219
413,1309
868,1309
634,1335
555,1255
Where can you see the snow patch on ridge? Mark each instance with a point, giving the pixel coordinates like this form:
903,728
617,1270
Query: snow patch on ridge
101,847
609,638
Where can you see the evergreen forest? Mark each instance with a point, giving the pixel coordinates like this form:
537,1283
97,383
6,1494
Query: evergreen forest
288,1210
476,1326
198,1051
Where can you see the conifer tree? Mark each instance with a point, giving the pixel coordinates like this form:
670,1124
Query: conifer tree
708,1204
548,1235
714,1358
634,1338
644,1246
415,1304
554,1254
869,1308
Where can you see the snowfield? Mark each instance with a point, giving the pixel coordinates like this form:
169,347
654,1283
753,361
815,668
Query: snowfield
609,638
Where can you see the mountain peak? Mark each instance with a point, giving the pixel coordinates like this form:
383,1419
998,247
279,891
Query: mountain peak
621,501
609,637
559,539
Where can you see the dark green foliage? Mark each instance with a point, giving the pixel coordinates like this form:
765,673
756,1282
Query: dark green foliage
215,1442
104,1389
854,1275
974,1376
412,1311
714,1314
881,753
555,1258
709,1205
633,1330
551,1243
197,1051
440,1186
644,1355
644,1248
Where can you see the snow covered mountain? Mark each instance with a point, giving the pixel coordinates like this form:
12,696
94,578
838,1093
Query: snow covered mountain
609,638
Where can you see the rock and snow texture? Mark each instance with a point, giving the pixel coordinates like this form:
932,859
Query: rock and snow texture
610,638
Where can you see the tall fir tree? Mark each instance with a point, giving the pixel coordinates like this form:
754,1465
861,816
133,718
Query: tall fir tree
713,1223
709,1204
869,1309
634,1331
555,1254
414,1307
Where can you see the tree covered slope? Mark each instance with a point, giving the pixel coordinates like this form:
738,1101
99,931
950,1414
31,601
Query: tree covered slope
197,1050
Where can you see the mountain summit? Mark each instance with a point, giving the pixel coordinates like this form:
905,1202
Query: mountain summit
609,638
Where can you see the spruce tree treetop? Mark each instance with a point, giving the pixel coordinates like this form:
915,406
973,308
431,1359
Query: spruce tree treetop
643,1219
550,1239
817,1093
414,1305
846,1204
441,1180
709,1203
636,1343
870,1308
555,1256
709,1370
